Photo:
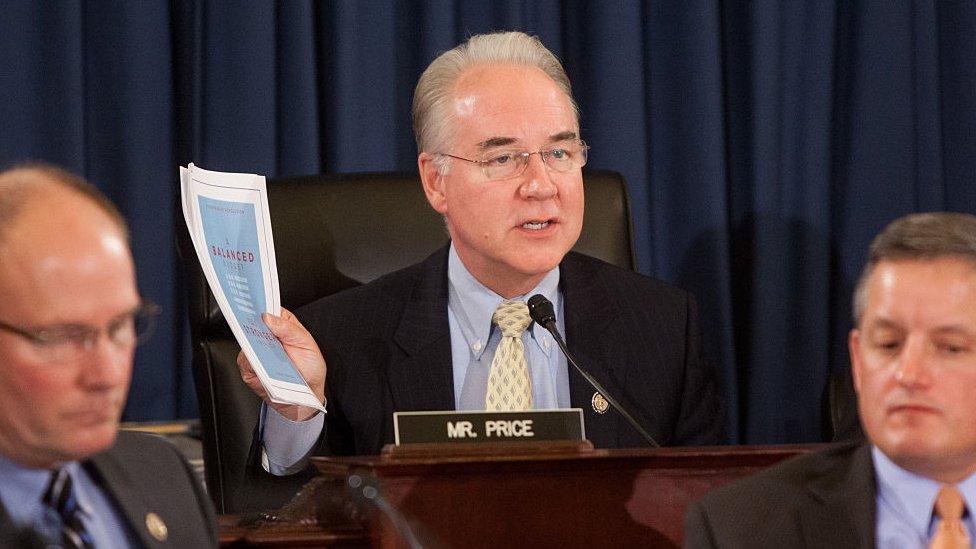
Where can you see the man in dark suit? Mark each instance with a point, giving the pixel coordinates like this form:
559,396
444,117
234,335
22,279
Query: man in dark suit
500,158
70,319
913,358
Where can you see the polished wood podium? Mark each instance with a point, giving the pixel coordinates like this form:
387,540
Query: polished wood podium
506,496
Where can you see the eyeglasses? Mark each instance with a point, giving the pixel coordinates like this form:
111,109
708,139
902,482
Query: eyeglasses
512,163
69,342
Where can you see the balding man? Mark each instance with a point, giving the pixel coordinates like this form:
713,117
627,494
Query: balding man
913,357
500,159
70,319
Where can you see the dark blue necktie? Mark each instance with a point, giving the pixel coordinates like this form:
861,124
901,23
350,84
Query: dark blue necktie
61,497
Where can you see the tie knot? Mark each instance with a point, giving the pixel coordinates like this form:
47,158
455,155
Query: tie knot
949,503
512,317
59,494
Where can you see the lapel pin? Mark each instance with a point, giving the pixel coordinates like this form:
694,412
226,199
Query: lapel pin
600,404
156,526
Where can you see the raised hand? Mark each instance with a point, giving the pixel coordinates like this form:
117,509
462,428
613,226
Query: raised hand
301,348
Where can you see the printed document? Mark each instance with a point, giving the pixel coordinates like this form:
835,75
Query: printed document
229,223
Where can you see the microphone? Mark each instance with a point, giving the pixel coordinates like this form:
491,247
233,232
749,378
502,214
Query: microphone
541,311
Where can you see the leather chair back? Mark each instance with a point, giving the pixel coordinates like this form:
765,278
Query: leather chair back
845,423
333,232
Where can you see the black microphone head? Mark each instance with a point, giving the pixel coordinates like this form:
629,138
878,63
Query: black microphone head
540,309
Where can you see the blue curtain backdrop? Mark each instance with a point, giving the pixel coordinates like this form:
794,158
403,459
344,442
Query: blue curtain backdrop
764,143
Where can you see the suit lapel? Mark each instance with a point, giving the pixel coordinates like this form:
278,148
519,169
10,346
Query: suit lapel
6,523
841,512
13,535
593,342
112,477
421,378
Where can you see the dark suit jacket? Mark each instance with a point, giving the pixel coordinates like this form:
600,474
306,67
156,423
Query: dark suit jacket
144,474
825,499
15,537
388,348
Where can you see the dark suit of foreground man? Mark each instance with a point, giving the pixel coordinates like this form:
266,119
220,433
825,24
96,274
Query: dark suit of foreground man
70,318
500,158
913,356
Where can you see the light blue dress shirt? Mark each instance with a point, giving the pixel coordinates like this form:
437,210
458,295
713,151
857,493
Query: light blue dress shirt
288,444
22,495
474,339
905,502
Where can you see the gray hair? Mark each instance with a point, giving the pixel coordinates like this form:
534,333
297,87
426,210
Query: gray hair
918,236
431,119
18,185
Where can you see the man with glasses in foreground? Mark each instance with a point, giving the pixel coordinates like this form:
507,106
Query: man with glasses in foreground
500,158
70,319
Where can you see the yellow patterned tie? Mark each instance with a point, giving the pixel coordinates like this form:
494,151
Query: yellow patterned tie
951,534
509,384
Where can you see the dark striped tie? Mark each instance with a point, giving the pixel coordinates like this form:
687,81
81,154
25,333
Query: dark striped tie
61,497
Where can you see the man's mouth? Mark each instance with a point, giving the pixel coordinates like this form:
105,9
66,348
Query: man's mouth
912,407
536,225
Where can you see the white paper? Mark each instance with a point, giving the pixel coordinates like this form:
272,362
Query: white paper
230,226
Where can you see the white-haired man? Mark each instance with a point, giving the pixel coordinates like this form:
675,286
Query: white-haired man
500,158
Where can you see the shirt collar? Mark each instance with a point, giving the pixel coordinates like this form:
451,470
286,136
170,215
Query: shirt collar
27,486
473,303
912,496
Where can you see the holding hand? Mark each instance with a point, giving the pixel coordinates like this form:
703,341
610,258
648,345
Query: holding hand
301,348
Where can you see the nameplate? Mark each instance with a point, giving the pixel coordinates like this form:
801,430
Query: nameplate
464,427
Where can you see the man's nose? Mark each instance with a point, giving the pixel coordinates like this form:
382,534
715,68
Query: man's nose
913,366
537,183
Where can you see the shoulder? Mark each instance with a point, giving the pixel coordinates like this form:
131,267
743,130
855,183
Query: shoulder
130,444
640,301
619,280
793,473
143,463
769,496
375,308
144,459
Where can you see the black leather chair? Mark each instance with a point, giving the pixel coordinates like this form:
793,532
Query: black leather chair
844,424
331,233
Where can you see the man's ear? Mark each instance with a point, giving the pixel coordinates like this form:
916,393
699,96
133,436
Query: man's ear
433,182
854,349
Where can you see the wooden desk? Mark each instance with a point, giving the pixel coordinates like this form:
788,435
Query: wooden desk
595,498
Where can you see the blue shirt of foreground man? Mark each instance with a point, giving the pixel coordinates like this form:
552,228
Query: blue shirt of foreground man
500,158
913,357
70,319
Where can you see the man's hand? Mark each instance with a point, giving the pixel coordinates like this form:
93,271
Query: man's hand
303,351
